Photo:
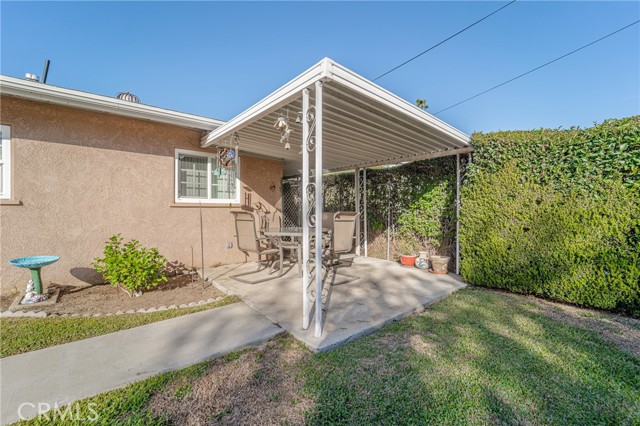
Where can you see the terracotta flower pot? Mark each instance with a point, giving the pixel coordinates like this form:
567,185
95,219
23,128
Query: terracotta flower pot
408,260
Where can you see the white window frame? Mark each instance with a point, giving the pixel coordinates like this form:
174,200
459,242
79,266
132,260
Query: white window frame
6,187
209,156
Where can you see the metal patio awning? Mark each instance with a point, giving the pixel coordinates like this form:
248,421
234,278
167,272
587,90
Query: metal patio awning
364,125
346,122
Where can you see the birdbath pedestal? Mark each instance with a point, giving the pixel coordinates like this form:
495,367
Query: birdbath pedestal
34,264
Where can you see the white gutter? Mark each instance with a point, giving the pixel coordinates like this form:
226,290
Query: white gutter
40,92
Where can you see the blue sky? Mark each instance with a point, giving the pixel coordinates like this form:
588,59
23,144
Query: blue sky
216,59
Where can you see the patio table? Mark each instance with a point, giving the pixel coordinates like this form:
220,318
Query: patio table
291,238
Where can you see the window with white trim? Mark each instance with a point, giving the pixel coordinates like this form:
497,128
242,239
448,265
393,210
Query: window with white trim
5,162
200,177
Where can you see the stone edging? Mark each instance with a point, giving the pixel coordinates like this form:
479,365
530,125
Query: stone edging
43,314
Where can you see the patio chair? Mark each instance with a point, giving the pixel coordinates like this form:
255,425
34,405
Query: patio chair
268,220
248,241
343,235
340,238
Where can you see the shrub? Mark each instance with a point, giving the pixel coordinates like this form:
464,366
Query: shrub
423,217
556,214
565,159
131,266
418,197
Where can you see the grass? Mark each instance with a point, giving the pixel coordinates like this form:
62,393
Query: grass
20,335
478,357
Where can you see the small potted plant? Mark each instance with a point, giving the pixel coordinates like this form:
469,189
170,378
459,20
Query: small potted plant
408,246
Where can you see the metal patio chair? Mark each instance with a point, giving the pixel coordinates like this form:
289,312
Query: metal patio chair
248,241
342,239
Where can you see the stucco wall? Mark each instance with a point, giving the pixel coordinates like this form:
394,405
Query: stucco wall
83,176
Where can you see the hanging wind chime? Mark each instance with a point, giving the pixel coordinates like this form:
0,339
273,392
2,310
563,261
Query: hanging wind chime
282,125
227,155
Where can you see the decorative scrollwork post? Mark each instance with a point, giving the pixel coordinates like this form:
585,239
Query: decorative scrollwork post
312,207
307,125
318,211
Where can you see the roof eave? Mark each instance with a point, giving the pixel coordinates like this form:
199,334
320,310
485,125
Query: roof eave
40,92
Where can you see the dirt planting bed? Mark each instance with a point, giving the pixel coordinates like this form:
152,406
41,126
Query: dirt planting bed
104,299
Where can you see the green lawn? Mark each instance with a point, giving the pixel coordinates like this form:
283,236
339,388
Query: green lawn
21,334
478,357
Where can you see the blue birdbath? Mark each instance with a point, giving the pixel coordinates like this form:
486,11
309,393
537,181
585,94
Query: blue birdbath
34,263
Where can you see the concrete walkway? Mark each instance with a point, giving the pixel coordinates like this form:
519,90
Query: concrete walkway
66,373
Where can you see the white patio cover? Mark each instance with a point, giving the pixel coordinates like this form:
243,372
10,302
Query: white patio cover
364,125
346,123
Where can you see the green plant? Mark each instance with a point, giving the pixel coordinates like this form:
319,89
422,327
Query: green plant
415,198
556,213
131,266
408,244
422,104
423,217
565,159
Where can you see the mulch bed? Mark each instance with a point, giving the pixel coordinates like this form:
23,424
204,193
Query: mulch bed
106,299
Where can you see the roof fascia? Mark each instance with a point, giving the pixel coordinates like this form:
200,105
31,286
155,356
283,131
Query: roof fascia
40,92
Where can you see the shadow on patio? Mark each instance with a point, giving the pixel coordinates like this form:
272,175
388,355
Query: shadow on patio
384,292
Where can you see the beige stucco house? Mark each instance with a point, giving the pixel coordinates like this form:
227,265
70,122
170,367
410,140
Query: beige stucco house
78,168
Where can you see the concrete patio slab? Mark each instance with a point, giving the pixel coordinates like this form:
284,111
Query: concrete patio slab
384,292
66,373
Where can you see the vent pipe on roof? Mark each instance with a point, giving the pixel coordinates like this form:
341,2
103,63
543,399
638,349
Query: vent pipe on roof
46,71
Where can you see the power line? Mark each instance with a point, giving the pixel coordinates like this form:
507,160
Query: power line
445,40
538,67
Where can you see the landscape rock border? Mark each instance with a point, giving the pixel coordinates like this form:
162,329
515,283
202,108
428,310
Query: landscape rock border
43,314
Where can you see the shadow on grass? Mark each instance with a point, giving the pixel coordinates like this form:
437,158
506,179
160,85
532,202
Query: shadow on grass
478,357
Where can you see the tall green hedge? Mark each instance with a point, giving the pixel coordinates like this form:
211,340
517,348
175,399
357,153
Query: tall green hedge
556,213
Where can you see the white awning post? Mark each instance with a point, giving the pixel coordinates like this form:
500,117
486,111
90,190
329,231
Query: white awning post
457,214
305,209
361,208
358,210
364,219
318,209
388,221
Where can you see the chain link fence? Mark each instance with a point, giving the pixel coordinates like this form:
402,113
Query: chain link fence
409,207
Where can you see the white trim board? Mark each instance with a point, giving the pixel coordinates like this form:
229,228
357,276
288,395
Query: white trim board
40,92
